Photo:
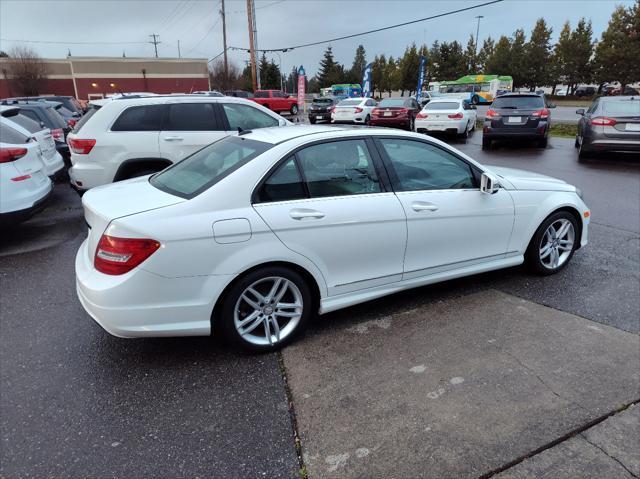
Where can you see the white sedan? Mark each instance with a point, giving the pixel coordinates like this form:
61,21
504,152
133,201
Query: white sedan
255,233
353,110
447,115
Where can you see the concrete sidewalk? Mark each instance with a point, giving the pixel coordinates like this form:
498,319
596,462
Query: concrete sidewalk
456,388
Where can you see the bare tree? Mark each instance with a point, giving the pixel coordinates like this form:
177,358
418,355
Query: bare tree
26,70
217,77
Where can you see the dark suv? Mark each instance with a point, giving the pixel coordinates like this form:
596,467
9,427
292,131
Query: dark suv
320,108
517,115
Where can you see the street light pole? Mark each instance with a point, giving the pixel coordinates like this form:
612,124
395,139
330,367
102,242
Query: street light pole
280,69
478,31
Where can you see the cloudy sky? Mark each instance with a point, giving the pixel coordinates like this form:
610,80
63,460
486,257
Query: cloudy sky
107,28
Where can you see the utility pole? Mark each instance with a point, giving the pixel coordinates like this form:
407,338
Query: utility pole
479,17
252,50
155,42
224,46
179,56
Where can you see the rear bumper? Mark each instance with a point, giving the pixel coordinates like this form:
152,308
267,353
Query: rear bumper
445,126
144,304
496,133
14,217
602,143
378,121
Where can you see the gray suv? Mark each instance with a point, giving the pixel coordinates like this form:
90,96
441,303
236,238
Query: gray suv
611,124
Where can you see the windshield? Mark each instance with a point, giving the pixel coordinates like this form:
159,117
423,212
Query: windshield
449,105
391,102
350,102
27,123
92,111
200,171
530,102
323,101
55,120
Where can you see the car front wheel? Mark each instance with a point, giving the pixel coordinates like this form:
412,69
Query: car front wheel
266,309
553,244
294,109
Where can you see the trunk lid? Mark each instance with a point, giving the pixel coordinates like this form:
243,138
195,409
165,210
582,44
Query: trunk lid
106,203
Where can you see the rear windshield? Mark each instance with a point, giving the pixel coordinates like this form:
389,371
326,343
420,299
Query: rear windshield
349,102
530,102
27,123
262,94
391,102
449,105
622,108
323,101
9,135
64,111
198,172
92,111
55,120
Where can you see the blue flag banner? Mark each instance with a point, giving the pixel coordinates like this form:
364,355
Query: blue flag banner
423,60
366,81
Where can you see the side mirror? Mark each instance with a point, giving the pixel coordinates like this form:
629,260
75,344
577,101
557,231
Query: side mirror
489,183
551,105
580,112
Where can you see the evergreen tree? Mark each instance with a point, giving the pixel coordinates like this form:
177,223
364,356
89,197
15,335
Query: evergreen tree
330,71
499,62
377,73
618,53
408,70
537,59
471,58
390,77
433,62
517,59
358,66
485,52
452,61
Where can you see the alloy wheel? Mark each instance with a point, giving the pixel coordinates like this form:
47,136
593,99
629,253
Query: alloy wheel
268,311
557,244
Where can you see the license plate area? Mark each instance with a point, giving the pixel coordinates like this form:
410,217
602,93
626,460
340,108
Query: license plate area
387,113
632,127
514,119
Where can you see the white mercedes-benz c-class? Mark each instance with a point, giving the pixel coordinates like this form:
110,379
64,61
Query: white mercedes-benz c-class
253,234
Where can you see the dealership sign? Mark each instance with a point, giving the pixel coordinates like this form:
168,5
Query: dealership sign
366,81
301,86
423,60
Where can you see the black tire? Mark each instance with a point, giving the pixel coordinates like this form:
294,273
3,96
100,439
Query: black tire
465,134
576,143
294,109
475,100
543,143
532,256
312,121
411,125
226,319
367,120
583,155
486,144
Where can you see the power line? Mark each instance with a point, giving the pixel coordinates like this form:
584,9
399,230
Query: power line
69,43
382,29
155,42
168,18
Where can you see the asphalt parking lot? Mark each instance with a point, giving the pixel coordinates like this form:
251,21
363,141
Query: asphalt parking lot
501,374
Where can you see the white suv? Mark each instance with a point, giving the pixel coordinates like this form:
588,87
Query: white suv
128,137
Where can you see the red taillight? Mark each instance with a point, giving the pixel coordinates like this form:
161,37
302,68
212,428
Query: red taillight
21,178
544,113
120,255
375,112
492,114
603,121
57,134
358,110
456,116
403,111
72,122
331,108
81,147
8,155
421,116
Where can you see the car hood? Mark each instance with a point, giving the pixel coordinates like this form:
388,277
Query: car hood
527,180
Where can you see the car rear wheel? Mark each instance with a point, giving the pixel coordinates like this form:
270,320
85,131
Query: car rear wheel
266,309
367,120
475,100
583,155
553,244
465,133
543,143
411,126
486,144
294,109
576,143
312,121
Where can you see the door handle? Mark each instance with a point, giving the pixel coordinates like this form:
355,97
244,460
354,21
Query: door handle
173,138
305,214
423,206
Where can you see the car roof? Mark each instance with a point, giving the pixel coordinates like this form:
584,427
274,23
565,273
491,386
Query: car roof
445,100
519,94
620,98
162,99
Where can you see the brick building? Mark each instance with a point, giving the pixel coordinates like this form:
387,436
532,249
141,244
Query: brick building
89,78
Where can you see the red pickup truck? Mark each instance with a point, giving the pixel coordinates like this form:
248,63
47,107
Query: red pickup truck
276,100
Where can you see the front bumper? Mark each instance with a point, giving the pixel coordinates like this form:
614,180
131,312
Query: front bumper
143,304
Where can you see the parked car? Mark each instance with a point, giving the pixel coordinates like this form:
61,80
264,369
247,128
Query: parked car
239,93
276,100
353,110
585,91
610,124
628,91
24,186
129,137
48,117
254,234
517,116
561,92
429,95
69,102
320,108
51,159
447,116
396,112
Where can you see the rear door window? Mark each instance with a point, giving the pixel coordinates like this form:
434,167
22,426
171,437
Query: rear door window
284,184
138,118
191,117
